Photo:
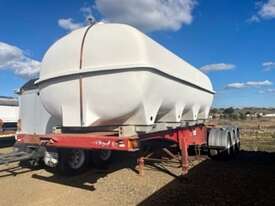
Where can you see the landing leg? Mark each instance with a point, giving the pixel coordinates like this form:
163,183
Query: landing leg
141,166
184,156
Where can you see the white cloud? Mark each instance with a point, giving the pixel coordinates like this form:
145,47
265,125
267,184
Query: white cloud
254,19
258,83
13,58
68,24
217,67
265,11
237,85
270,90
153,15
249,84
268,66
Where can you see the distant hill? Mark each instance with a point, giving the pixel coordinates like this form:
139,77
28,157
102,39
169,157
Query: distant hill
8,101
244,110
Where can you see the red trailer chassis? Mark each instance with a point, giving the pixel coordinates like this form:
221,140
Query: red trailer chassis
183,137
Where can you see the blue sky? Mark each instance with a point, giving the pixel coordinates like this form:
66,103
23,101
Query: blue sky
233,42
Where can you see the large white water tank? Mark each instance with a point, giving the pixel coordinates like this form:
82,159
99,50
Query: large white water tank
113,74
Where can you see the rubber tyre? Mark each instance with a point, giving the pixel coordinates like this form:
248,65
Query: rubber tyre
238,147
223,155
102,161
64,166
214,154
227,154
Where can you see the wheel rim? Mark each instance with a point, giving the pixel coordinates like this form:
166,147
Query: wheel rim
228,140
229,145
77,159
105,154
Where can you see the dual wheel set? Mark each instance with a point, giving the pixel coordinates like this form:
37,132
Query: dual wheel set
74,161
223,143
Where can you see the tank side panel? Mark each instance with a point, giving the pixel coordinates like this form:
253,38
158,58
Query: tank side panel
112,46
63,56
61,99
170,101
115,46
166,61
110,99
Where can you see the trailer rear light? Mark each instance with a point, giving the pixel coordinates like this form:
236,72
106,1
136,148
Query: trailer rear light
19,138
133,144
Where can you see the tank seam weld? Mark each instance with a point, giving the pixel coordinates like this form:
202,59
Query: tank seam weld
151,69
80,75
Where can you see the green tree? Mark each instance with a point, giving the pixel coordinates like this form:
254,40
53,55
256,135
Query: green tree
214,111
242,116
229,111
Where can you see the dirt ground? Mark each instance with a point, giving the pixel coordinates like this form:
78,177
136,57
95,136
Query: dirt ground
247,179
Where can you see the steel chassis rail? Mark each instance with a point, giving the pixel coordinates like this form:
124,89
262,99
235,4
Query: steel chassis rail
183,137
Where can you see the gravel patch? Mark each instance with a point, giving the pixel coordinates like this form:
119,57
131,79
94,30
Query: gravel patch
246,180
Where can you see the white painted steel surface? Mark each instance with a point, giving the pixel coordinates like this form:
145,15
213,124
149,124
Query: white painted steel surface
8,114
127,79
34,119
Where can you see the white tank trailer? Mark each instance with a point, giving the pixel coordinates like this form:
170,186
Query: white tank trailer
113,74
109,87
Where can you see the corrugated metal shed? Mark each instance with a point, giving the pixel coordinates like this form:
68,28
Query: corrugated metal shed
8,109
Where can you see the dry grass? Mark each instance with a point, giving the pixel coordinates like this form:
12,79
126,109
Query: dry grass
256,134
